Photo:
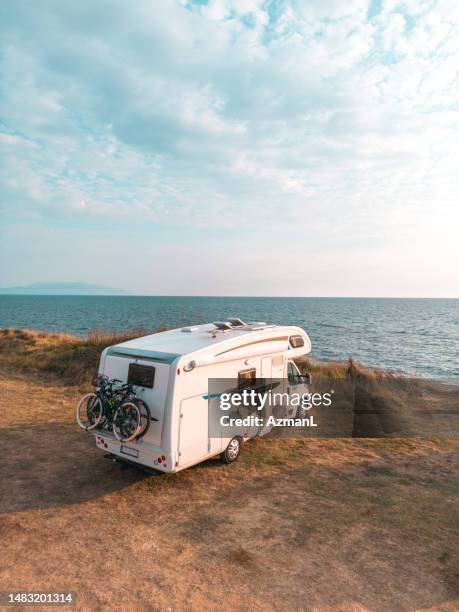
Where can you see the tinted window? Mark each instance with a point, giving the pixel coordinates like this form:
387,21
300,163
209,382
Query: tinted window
141,376
296,341
246,378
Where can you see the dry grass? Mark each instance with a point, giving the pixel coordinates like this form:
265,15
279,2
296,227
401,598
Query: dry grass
294,525
73,359
343,370
316,524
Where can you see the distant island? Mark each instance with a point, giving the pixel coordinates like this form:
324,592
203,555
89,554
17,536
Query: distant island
62,289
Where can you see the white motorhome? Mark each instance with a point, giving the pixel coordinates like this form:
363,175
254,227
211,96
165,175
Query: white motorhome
170,373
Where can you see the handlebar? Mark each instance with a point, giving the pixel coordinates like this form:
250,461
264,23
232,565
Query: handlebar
105,382
125,387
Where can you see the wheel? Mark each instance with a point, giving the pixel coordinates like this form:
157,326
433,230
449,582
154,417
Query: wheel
127,422
89,411
233,450
145,417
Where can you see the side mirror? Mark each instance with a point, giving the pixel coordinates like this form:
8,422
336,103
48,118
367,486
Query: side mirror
305,378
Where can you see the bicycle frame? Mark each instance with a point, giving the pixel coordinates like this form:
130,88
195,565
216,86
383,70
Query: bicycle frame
111,398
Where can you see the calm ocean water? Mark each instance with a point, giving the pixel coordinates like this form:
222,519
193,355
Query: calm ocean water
418,336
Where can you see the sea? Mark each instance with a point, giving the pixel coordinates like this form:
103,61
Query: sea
415,336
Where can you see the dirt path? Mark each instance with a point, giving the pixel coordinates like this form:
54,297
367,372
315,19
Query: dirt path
294,525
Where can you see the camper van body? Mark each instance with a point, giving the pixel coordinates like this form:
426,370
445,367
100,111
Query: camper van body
181,362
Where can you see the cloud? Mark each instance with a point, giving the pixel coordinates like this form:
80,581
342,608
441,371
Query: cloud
333,118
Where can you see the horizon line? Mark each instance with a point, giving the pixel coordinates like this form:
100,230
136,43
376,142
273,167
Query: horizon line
317,297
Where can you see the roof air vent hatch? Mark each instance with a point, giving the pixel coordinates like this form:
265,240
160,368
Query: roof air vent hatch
236,322
222,325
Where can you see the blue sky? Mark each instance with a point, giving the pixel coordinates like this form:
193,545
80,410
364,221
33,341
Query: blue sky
241,147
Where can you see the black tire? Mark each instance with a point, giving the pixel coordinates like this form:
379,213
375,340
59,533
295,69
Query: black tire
232,451
145,417
89,412
126,422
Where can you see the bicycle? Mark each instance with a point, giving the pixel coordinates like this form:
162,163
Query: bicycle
115,408
93,408
132,417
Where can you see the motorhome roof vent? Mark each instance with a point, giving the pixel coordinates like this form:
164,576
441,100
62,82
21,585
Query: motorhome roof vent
236,322
190,329
222,325
257,325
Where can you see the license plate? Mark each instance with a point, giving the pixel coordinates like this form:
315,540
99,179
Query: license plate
132,452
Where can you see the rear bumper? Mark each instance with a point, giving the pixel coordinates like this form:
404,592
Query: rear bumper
136,452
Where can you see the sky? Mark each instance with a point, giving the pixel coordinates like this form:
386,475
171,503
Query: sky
231,147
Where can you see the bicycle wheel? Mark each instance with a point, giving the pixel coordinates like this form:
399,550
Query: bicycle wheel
144,416
126,422
89,411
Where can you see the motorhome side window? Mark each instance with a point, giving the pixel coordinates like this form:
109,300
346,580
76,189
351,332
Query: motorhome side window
246,378
296,341
291,373
141,376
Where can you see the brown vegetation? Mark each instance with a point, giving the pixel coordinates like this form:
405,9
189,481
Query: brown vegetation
73,359
295,524
344,369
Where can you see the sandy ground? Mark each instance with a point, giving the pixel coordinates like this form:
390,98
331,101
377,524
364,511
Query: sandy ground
294,525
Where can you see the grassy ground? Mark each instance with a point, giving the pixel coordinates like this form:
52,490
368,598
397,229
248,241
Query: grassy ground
354,524
74,360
